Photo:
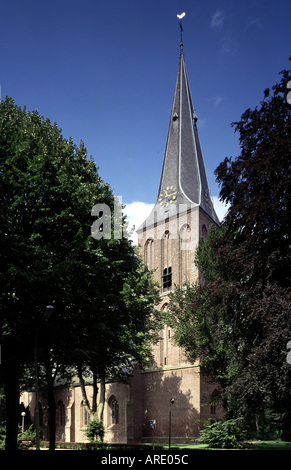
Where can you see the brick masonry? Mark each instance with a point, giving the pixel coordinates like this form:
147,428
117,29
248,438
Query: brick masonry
172,375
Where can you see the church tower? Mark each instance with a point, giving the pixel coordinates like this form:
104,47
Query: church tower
184,210
168,238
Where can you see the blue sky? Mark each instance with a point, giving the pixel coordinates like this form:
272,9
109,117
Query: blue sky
105,72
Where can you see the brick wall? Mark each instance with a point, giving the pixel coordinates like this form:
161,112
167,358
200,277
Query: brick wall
172,375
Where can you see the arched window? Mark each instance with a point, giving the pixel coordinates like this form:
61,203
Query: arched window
185,246
114,410
61,414
166,268
165,335
85,415
148,253
167,277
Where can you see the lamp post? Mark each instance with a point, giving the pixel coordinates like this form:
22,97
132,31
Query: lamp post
172,401
48,311
152,426
23,414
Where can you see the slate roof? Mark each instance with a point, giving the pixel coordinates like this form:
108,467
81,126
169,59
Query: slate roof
183,170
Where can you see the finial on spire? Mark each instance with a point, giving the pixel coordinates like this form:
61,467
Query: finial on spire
181,29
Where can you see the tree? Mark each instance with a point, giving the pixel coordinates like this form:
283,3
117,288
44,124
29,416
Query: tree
94,430
47,188
240,314
48,256
257,185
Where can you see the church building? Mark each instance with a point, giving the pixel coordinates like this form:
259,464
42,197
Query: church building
172,388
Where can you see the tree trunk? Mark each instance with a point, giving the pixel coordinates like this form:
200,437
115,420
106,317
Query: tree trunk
83,390
100,407
95,393
257,423
97,409
51,402
10,371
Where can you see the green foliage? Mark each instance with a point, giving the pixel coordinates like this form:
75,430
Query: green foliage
2,434
103,298
210,265
28,434
224,435
94,430
48,189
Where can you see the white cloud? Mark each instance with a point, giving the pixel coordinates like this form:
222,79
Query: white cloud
220,208
228,44
217,20
138,211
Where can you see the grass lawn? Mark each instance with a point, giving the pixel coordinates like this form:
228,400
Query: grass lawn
256,445
269,445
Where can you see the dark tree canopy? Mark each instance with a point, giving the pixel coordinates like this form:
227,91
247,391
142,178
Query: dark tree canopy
103,297
257,185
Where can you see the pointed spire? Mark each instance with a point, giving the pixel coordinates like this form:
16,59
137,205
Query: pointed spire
183,166
183,180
